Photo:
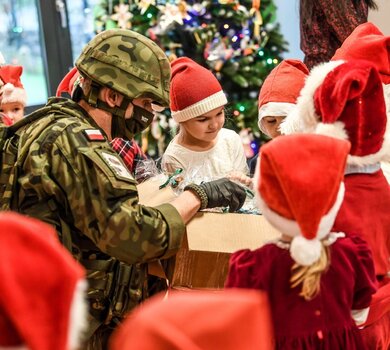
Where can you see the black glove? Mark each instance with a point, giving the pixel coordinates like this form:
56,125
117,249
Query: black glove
219,193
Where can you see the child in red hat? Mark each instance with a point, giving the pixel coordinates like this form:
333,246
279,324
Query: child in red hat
368,43
319,283
278,96
42,299
202,146
345,100
13,97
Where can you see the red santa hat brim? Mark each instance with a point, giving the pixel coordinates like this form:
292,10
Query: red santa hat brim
11,94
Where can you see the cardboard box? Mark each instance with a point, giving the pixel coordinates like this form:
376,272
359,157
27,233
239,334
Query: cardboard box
203,259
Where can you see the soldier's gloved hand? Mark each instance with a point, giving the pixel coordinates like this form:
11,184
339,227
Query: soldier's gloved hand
219,193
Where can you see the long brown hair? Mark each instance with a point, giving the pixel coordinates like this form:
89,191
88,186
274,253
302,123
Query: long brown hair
310,276
306,9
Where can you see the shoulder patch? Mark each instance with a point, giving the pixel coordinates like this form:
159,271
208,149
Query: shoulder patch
94,135
115,163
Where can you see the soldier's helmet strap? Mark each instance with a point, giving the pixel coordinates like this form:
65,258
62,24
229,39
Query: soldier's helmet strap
93,100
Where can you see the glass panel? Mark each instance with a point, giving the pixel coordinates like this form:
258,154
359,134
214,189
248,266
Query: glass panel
20,44
80,17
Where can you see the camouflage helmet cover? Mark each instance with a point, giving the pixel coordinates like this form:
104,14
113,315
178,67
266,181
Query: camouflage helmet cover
128,63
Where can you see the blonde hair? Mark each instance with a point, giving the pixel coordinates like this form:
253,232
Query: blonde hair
310,276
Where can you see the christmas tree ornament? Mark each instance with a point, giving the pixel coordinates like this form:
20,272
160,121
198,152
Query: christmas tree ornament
122,16
238,40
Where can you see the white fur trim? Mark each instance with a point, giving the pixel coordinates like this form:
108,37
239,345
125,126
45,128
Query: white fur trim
336,130
291,227
78,316
274,109
197,109
360,316
2,60
305,252
386,91
10,93
303,118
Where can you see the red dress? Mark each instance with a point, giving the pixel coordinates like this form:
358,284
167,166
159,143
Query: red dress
366,212
324,322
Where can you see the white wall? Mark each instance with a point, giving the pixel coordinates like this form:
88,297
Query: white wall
381,17
288,17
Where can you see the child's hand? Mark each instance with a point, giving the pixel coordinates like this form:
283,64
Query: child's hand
241,178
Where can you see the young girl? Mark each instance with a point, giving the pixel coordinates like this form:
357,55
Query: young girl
202,147
12,94
346,100
278,96
318,282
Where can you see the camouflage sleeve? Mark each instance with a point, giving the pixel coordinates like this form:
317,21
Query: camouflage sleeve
101,197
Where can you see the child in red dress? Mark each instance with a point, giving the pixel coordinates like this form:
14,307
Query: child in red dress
319,282
346,100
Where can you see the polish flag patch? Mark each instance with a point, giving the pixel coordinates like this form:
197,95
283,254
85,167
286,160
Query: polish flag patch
94,135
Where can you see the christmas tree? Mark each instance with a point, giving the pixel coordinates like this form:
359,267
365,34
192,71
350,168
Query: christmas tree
239,40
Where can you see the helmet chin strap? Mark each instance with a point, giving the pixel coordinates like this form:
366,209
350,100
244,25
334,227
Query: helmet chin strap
118,122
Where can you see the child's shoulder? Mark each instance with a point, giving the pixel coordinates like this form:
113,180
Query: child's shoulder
265,252
353,247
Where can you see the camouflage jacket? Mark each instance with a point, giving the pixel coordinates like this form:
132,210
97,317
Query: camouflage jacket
71,174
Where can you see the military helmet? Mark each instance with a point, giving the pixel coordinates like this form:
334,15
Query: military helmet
128,63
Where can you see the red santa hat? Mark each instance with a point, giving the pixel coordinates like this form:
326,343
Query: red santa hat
42,287
368,43
229,320
345,100
68,83
194,90
280,90
299,189
11,87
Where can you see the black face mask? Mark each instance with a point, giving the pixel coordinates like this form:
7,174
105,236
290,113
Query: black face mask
127,128
139,121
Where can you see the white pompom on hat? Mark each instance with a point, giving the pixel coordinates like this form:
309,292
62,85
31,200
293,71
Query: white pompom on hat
280,90
194,90
299,189
42,304
11,87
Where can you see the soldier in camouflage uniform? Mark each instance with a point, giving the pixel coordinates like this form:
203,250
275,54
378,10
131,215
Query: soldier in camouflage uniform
69,176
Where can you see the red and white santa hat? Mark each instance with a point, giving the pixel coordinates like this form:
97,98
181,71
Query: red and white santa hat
68,83
229,320
194,90
368,43
280,90
345,100
42,287
11,87
299,189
